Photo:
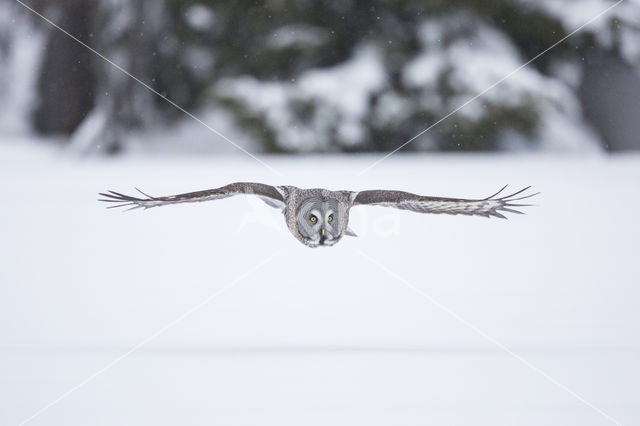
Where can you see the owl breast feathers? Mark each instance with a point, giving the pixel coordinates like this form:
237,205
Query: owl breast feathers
320,217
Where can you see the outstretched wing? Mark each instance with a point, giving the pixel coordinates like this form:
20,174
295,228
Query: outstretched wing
490,206
270,194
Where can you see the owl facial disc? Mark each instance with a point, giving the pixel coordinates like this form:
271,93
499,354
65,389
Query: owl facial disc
320,221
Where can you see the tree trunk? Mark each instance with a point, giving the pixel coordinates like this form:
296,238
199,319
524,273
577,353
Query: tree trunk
66,84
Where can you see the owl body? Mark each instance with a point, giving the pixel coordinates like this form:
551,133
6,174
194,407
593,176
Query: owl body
320,217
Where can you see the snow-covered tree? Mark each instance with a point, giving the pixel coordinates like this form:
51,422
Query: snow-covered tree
370,75
302,75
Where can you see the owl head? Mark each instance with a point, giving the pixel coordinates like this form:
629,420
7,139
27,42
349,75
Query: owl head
321,221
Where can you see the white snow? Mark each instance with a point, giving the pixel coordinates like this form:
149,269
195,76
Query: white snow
341,94
318,336
347,85
297,36
619,23
200,17
485,62
18,70
87,136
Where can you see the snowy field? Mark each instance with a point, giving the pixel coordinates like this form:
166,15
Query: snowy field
234,322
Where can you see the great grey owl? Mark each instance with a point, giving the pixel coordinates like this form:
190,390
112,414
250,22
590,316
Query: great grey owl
319,217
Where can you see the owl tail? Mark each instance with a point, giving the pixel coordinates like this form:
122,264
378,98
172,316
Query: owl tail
350,232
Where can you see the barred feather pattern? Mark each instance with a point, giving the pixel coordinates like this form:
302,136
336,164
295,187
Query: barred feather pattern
491,206
336,203
271,194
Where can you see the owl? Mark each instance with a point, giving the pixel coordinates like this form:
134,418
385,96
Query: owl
320,217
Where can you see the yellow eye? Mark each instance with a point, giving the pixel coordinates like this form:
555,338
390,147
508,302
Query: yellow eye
313,219
330,218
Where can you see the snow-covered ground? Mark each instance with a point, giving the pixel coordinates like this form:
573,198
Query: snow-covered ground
332,336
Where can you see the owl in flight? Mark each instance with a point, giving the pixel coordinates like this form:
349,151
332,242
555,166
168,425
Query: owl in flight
319,217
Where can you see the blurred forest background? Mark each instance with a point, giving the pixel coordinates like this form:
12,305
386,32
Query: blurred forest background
326,76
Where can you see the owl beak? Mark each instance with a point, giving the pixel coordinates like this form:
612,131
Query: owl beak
323,238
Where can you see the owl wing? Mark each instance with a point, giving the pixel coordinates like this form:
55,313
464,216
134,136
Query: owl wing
269,194
487,207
